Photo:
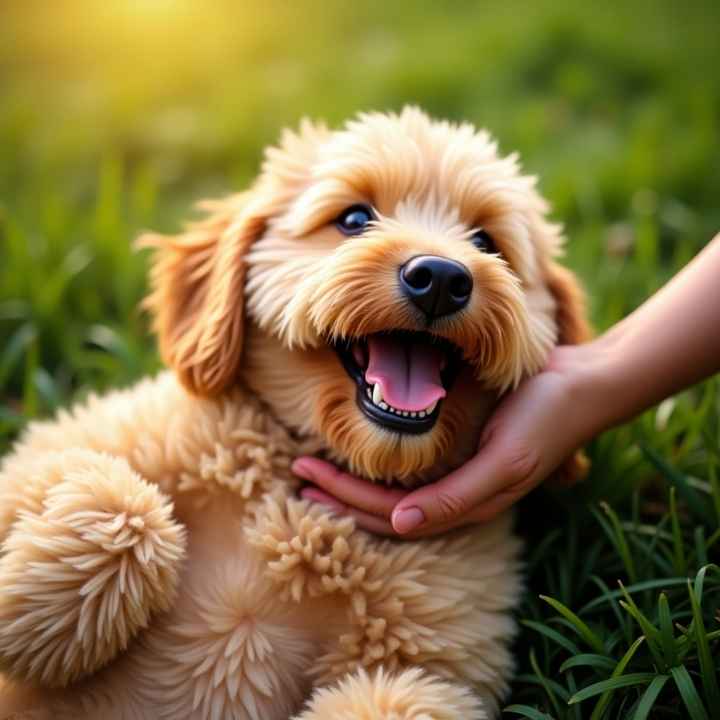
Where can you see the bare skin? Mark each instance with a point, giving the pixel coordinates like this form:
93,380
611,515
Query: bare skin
669,343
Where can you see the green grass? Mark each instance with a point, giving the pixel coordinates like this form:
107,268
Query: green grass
623,614
116,116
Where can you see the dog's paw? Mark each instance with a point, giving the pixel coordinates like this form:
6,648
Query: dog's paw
409,695
80,577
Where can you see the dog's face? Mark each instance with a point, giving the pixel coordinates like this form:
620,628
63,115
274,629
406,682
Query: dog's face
379,287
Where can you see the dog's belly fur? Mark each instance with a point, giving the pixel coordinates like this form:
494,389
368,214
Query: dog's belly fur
276,595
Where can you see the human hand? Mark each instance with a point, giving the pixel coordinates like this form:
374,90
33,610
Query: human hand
532,431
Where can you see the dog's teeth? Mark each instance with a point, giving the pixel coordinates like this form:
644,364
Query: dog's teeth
431,409
377,394
421,413
413,414
369,394
405,413
384,406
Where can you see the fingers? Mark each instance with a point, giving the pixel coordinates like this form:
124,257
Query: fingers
349,490
373,523
476,492
491,481
318,496
382,526
483,513
364,520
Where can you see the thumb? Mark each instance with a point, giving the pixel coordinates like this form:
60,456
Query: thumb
494,468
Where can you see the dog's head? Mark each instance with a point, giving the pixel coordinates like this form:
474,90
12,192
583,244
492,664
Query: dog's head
379,287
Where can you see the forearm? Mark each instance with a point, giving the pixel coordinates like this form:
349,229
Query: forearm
669,343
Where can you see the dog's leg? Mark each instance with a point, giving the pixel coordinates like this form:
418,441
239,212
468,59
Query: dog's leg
410,694
92,553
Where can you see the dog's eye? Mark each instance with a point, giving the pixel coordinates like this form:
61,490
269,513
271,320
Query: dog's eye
354,219
483,241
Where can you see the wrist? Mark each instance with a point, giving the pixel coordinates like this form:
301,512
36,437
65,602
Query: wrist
612,380
594,377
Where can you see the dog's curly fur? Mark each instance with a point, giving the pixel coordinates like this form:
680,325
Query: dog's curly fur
157,562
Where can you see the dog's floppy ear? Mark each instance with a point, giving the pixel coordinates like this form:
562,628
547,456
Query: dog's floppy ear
198,277
197,282
571,307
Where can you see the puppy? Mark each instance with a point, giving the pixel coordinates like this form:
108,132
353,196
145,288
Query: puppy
370,297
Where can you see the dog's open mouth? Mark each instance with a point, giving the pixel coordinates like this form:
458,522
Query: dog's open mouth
402,377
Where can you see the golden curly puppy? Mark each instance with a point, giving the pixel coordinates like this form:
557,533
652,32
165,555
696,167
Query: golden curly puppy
370,297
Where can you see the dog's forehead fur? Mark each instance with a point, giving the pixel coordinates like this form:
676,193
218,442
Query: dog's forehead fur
432,173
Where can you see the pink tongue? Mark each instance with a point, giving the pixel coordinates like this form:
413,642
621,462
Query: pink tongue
408,373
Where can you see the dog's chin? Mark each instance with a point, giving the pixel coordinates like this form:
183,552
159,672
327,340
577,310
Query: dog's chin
321,394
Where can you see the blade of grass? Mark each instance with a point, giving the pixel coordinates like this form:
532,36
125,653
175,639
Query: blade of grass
14,348
617,672
617,536
713,539
666,634
599,662
700,578
589,563
554,635
622,619
528,712
679,559
696,505
581,628
540,551
30,392
648,629
696,422
611,684
715,485
688,693
708,673
573,688
655,554
649,697
544,682
47,389
556,687
700,545
637,587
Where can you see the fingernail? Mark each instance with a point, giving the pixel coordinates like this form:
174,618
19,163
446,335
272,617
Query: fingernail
301,470
407,519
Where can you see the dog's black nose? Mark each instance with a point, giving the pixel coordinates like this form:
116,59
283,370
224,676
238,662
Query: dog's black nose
438,286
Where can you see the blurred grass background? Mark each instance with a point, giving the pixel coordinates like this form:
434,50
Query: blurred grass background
115,116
